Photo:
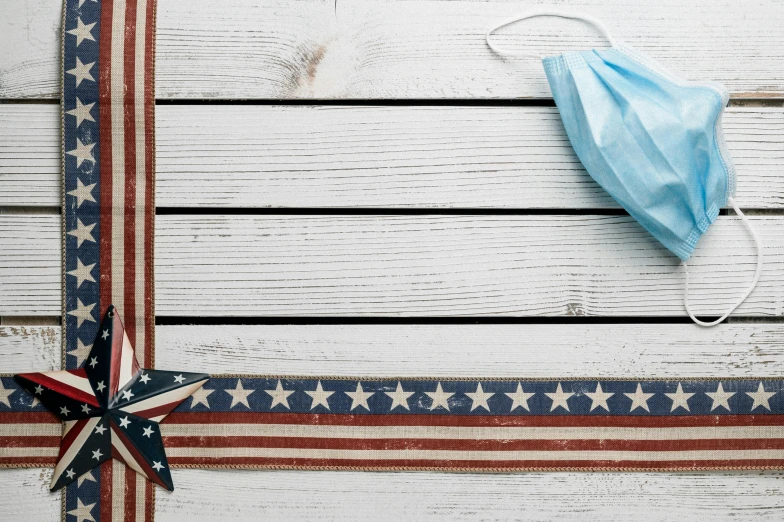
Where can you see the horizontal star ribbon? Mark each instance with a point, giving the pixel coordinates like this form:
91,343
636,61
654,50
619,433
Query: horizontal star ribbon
489,425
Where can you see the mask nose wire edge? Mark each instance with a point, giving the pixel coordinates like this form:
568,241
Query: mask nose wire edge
546,12
758,244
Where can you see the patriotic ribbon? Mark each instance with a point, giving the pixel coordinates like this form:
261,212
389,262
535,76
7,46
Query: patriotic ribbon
454,425
320,423
108,209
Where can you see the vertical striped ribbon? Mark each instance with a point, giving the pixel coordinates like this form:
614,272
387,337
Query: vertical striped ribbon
108,143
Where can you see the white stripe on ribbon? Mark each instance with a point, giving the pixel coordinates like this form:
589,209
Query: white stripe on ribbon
33,430
29,452
140,499
118,490
117,89
170,429
141,180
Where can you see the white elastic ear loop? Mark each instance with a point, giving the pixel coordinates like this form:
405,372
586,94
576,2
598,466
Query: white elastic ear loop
545,12
758,244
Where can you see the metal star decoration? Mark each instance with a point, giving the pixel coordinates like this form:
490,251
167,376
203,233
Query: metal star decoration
111,407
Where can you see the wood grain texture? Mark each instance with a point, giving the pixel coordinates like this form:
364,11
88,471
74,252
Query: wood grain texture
29,348
402,49
608,350
470,350
26,496
30,262
337,496
30,156
348,156
203,495
414,266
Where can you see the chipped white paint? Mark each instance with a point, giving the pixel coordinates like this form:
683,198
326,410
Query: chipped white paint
26,496
29,348
347,156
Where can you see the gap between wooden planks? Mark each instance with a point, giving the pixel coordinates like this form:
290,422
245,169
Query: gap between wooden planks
414,266
403,49
353,156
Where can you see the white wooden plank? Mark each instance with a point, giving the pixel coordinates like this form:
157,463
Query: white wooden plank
498,350
410,265
30,261
501,350
451,265
26,495
402,49
30,156
29,349
325,496
337,496
348,156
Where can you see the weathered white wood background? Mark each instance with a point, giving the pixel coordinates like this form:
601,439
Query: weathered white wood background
571,257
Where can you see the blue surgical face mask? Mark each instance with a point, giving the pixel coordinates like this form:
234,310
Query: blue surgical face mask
654,142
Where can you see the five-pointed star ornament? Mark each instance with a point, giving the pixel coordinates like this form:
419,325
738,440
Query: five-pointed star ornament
108,411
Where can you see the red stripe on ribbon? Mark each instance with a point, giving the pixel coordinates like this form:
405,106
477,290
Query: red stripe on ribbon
149,501
31,417
28,461
35,441
129,123
130,494
105,132
472,444
106,489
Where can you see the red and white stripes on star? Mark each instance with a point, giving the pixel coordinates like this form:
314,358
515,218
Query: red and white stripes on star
159,406
124,364
71,383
